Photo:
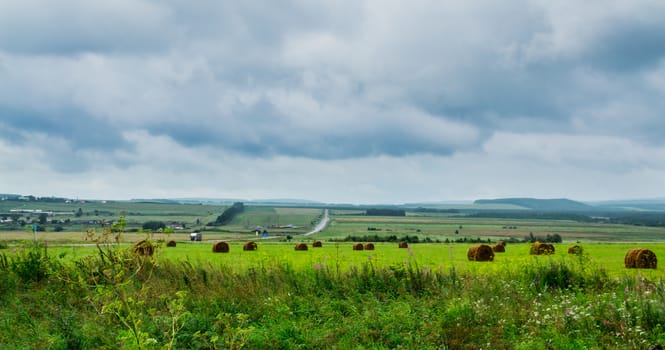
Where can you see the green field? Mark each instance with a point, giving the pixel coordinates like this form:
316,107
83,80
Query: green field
434,256
444,226
69,293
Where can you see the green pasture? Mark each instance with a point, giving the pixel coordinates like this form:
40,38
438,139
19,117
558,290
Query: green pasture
433,256
442,227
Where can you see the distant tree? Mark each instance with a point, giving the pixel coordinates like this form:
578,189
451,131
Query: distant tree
154,226
79,213
230,213
385,212
120,225
58,229
42,218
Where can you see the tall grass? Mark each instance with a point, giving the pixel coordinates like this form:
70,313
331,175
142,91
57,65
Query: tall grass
114,299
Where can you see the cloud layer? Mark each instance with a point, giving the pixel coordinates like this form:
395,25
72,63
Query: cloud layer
366,100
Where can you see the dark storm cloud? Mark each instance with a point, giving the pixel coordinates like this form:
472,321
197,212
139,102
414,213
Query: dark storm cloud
628,46
328,80
77,128
262,129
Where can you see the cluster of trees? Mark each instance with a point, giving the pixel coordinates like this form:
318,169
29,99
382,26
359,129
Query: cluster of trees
154,226
638,219
229,214
550,238
612,217
385,212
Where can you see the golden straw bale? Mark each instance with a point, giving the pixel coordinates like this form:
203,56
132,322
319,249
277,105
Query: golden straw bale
143,247
301,246
317,244
480,252
358,246
403,244
220,247
369,246
249,246
171,243
539,248
575,249
499,248
641,258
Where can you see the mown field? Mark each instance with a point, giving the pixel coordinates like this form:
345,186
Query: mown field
442,226
341,256
65,295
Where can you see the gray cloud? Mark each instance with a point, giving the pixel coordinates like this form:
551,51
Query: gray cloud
334,81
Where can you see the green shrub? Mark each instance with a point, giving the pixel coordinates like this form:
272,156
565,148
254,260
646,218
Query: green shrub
31,262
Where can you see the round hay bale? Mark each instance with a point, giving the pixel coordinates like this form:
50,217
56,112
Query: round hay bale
301,246
143,247
403,244
480,252
369,246
498,248
358,246
575,249
317,244
220,247
640,258
540,248
171,243
249,246
501,243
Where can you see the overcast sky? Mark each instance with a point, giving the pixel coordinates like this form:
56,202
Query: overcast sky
356,101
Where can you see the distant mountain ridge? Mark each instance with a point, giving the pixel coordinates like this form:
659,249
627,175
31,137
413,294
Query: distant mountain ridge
556,204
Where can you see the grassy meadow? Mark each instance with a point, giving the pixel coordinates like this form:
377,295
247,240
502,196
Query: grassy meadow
341,256
62,291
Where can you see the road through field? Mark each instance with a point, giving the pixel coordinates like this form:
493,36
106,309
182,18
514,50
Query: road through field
321,225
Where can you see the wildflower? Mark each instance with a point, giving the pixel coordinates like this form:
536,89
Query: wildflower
317,266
